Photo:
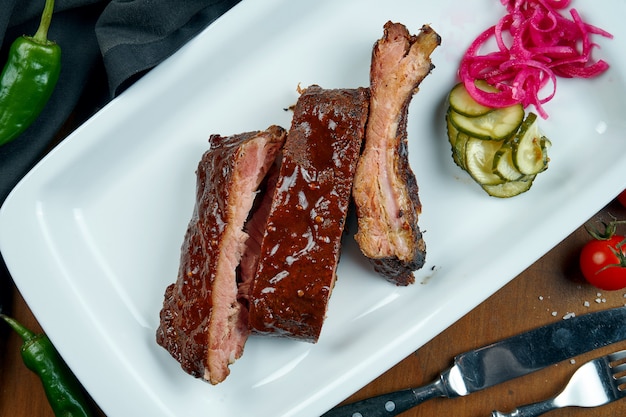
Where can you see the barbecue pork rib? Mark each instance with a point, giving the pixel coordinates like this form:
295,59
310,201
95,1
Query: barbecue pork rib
301,245
385,189
204,319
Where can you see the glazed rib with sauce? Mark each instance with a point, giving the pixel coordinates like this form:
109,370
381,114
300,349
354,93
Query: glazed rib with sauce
204,320
301,246
385,189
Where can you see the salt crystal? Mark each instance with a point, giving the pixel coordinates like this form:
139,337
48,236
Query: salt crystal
586,303
569,316
554,313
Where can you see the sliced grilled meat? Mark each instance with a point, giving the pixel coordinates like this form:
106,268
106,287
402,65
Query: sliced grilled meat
204,320
385,189
301,246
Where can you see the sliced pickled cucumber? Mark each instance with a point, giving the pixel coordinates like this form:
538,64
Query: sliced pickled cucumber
460,150
545,145
457,146
530,148
463,103
479,155
502,149
509,188
496,125
503,165
451,130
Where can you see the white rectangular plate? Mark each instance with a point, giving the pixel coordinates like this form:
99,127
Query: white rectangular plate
92,235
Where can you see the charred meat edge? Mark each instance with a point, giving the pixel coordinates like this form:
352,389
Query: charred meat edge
385,190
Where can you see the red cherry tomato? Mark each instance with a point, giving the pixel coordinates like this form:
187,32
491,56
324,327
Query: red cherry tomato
601,267
622,198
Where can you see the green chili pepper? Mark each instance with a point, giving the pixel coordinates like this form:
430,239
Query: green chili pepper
61,386
28,78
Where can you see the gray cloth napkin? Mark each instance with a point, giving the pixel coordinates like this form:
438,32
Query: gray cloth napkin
135,36
106,46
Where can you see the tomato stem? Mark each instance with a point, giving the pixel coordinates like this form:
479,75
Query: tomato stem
609,230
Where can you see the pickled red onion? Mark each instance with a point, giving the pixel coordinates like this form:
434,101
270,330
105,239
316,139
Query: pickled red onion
535,45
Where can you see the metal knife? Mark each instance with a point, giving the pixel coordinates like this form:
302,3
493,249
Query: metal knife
501,361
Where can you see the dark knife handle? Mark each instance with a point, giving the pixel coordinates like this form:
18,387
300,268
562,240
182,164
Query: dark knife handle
388,405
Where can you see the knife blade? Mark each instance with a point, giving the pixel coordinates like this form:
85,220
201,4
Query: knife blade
502,361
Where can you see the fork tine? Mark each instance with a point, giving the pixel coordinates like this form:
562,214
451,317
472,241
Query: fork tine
619,368
620,380
617,356
620,386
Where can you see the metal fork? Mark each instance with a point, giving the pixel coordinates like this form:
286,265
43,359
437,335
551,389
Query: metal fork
596,383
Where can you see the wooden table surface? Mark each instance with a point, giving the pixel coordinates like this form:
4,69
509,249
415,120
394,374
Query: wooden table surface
547,291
